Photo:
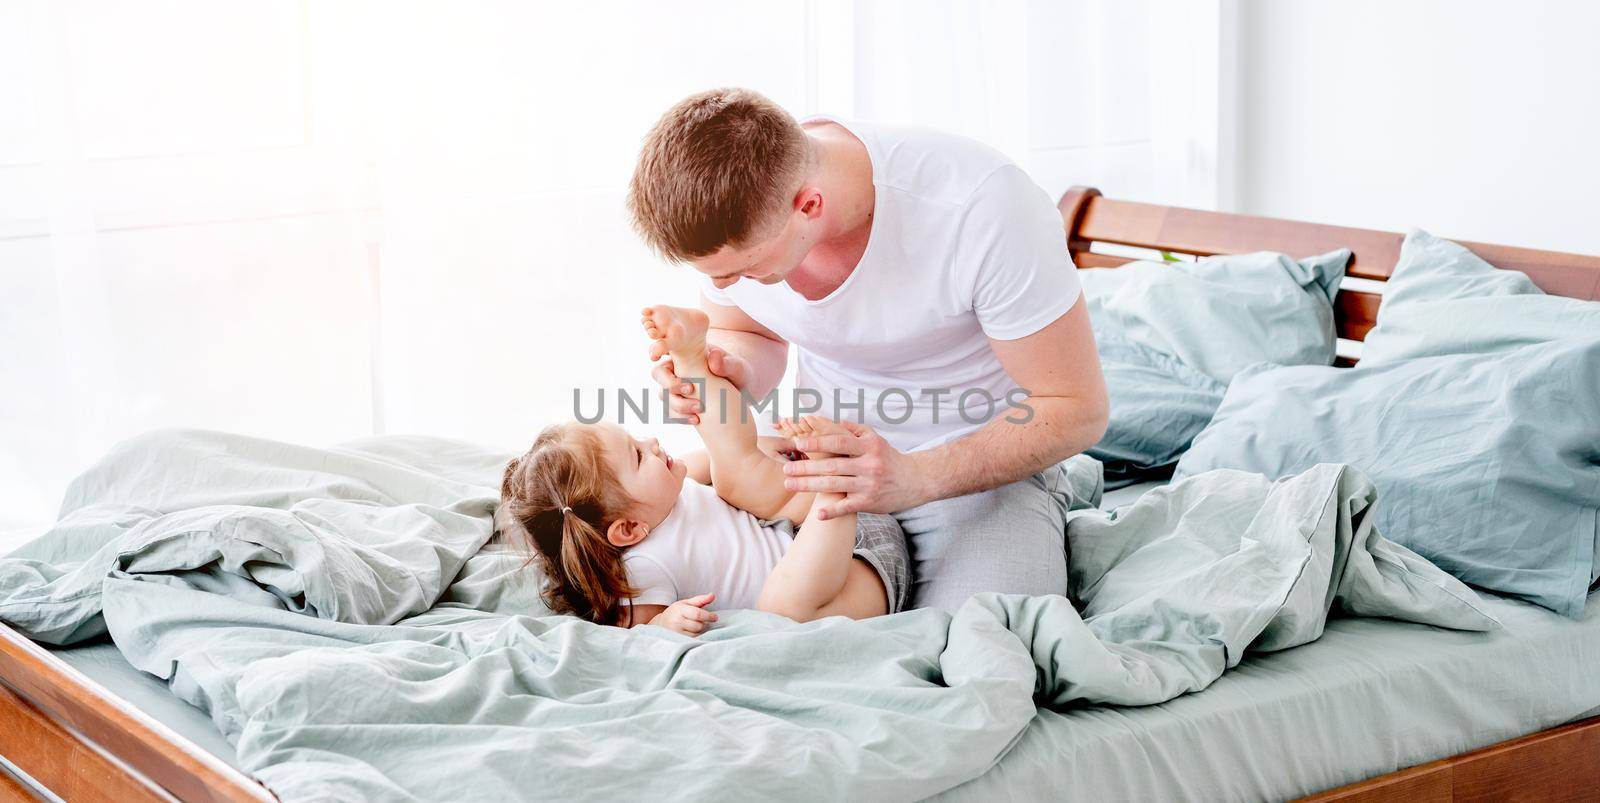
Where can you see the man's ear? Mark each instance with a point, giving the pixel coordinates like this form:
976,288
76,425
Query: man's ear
808,201
626,532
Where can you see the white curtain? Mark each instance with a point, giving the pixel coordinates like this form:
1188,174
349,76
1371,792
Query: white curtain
318,220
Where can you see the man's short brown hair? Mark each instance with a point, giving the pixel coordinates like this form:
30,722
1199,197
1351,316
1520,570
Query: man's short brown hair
717,169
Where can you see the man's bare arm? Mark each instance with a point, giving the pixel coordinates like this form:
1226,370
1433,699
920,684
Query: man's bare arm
1060,369
739,335
1058,366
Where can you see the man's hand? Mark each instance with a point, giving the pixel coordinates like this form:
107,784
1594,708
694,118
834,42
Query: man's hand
687,616
874,476
683,404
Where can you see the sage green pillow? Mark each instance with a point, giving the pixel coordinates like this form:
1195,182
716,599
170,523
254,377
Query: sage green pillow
1223,313
1444,299
1486,464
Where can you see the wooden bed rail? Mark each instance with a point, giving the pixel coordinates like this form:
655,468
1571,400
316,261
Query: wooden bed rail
1562,763
84,743
1092,218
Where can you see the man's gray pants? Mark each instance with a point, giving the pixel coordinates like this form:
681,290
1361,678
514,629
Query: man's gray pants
1010,539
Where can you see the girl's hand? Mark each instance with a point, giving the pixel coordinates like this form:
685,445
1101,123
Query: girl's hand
687,616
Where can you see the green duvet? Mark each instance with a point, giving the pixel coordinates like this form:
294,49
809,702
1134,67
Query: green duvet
337,615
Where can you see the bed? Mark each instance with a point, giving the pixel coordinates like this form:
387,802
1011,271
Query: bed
1457,716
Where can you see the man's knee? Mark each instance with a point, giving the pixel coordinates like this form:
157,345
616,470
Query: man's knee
1018,564
1010,539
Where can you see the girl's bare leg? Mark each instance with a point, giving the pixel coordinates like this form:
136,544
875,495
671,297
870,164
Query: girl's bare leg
743,475
820,576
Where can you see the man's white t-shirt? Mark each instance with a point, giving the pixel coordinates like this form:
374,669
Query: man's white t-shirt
705,545
964,247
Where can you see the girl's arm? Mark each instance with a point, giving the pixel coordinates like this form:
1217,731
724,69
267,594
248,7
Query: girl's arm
686,616
699,465
635,615
699,461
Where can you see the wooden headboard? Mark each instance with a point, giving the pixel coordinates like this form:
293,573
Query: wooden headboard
1091,218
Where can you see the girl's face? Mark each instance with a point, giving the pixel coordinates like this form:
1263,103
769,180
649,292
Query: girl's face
648,474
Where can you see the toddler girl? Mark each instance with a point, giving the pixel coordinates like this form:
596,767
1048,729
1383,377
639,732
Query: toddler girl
626,537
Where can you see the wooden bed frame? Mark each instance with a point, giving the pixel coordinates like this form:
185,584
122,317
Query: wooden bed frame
1562,763
68,734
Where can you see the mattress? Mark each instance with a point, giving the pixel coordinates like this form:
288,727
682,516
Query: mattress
104,664
1370,697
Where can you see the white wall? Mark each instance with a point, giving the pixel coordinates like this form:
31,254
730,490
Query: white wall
1117,94
1477,119
315,220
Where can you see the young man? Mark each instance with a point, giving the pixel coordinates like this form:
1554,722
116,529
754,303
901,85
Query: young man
926,283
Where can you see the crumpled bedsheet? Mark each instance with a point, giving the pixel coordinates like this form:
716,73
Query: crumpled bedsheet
338,615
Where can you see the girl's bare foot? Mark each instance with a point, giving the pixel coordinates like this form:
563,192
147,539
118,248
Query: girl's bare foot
680,329
811,426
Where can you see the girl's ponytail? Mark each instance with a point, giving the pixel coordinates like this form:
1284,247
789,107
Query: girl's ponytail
557,501
592,565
